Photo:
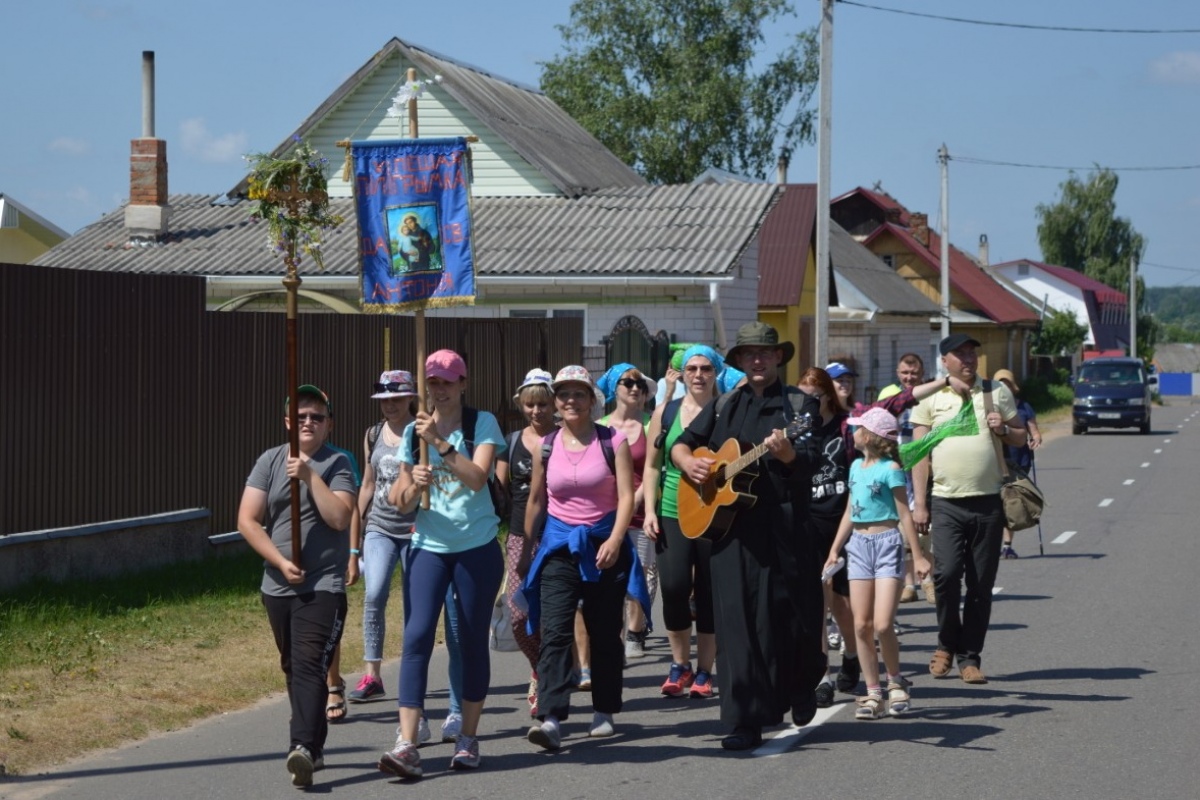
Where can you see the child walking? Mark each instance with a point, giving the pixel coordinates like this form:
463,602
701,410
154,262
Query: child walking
873,530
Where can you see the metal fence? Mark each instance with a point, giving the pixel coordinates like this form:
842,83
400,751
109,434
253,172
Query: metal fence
123,397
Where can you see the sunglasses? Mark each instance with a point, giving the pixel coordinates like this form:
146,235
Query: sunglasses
572,394
631,383
699,368
392,387
316,419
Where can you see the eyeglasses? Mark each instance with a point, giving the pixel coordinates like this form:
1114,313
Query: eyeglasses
392,387
631,383
572,394
699,368
316,419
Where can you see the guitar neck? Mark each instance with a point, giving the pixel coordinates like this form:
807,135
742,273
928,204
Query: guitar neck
745,460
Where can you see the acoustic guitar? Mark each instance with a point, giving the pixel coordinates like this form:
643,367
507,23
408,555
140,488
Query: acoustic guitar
709,507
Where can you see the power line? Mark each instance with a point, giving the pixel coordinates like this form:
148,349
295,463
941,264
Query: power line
987,162
1024,26
1165,266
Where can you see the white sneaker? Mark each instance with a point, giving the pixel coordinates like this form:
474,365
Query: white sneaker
452,727
635,645
300,766
423,734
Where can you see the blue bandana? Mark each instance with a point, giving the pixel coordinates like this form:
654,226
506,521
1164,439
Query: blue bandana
608,381
704,351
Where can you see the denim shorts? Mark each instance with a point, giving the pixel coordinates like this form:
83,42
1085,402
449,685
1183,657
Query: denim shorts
875,555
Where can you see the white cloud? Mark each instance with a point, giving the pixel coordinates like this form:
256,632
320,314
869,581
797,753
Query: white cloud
1182,67
70,146
198,141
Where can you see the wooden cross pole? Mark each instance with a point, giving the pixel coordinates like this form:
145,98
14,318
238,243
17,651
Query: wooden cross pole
419,318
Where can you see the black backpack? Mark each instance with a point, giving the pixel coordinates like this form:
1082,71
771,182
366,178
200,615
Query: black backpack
603,433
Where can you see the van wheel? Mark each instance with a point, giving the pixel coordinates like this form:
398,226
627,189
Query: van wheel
1077,429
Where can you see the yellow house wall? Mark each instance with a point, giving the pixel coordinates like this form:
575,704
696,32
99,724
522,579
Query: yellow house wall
792,320
18,247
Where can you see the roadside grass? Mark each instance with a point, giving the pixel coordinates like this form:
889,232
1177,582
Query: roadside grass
87,665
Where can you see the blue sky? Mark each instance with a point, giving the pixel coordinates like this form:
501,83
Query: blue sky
237,77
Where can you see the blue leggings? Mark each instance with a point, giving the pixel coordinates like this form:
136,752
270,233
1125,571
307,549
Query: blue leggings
476,575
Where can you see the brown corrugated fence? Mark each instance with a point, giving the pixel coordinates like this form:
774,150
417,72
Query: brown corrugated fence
123,397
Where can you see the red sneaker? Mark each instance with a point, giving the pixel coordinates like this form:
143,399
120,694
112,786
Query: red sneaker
702,687
678,680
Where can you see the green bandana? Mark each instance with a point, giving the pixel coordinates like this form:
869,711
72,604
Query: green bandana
964,423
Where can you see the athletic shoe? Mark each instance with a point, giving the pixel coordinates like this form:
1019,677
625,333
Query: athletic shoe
871,706
849,674
423,734
635,644
318,763
546,736
368,688
679,679
602,726
824,694
835,635
403,760
702,686
452,728
899,696
1008,552
300,765
466,753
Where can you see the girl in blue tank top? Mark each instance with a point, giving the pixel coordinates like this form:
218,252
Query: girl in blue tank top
873,530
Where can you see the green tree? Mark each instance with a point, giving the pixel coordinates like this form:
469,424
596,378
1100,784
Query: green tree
1083,232
1061,335
673,87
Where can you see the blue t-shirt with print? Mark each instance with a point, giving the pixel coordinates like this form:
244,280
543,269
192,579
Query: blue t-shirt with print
871,498
458,519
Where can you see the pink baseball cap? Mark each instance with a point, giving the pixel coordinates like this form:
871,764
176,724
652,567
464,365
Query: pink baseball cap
445,364
879,422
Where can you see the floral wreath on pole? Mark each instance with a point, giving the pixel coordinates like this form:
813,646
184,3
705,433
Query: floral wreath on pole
293,199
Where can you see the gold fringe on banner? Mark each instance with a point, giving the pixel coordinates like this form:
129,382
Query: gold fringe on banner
348,162
416,305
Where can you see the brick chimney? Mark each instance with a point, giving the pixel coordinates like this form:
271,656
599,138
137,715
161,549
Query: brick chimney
147,213
918,225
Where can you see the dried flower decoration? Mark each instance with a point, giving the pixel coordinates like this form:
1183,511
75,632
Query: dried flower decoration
293,199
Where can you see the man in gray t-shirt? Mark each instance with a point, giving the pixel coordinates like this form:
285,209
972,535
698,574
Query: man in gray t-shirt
306,602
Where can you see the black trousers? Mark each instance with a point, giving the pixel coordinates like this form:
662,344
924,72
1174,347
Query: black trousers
966,535
603,614
683,570
307,629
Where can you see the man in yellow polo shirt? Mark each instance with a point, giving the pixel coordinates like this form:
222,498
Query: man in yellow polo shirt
965,516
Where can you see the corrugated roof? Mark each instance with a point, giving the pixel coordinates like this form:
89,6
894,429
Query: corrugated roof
1177,357
686,230
784,245
529,121
966,276
878,283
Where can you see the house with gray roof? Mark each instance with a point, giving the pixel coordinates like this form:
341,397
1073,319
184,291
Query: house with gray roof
562,227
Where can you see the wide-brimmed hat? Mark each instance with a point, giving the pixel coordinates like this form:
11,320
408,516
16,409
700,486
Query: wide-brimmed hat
878,422
955,341
395,383
759,334
535,377
1006,375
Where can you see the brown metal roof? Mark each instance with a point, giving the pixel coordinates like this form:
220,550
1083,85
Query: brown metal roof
529,121
649,231
784,245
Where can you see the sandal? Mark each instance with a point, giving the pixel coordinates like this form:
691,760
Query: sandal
940,664
899,698
871,706
336,712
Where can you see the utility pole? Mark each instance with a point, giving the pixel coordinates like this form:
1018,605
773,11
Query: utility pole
1133,306
824,133
944,160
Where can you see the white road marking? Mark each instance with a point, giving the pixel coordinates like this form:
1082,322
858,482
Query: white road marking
1064,537
1166,441
783,741
1145,464
1157,451
1106,502
1129,482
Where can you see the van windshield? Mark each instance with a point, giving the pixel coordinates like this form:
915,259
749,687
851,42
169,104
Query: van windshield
1110,374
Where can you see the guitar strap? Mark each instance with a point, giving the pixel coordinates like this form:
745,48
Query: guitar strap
796,399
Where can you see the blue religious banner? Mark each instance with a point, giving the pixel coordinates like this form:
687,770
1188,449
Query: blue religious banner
413,198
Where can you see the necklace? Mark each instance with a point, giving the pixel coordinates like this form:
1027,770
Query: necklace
575,462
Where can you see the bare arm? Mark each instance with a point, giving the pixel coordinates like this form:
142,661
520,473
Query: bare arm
251,512
652,474
536,504
920,480
335,508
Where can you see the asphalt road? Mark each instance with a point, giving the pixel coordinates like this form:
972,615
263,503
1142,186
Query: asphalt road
1090,659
